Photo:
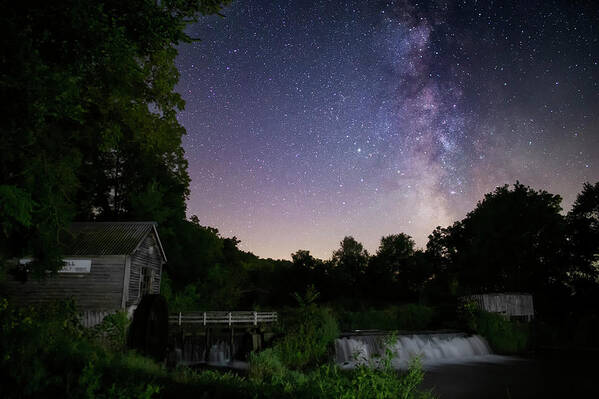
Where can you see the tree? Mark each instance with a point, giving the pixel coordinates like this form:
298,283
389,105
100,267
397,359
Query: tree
583,240
349,265
389,266
398,270
583,231
308,270
512,241
90,131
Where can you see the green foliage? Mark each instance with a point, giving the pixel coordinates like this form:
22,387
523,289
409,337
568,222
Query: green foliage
91,129
468,311
329,381
349,264
91,385
504,336
309,333
367,381
185,300
186,382
15,208
266,366
405,317
414,317
512,241
112,331
583,239
393,270
46,353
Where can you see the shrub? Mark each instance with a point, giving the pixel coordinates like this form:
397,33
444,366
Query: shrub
366,381
309,333
504,336
371,380
46,353
185,300
266,365
112,331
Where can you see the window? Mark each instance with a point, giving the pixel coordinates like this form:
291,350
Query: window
147,275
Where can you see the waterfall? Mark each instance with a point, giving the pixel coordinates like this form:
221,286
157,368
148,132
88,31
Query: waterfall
220,353
431,348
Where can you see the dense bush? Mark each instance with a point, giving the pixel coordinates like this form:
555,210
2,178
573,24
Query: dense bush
325,381
112,331
504,336
185,300
46,353
265,366
368,380
309,331
405,317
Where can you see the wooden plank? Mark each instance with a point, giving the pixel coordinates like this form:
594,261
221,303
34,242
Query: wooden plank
127,276
100,289
145,257
506,303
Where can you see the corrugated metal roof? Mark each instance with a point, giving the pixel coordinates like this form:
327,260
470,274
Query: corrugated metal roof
106,238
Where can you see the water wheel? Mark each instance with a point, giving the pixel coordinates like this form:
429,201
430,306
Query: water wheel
149,329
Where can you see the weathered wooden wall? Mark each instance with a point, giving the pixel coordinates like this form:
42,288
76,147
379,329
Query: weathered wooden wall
100,289
91,318
144,257
506,303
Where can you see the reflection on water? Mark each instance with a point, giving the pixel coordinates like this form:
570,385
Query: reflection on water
515,378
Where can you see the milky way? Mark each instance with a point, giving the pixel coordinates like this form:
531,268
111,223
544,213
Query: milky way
309,121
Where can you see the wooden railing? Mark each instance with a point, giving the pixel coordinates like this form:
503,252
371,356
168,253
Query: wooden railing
230,318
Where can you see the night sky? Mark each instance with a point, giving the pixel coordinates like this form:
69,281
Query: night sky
309,121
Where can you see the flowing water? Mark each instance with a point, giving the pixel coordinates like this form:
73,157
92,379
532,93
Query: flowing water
431,349
458,366
461,366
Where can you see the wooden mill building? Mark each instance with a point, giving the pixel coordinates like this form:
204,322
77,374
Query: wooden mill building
109,266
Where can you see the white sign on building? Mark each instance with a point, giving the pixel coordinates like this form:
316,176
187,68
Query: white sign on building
76,266
70,265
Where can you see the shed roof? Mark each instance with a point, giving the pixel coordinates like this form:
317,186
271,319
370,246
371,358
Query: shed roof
108,238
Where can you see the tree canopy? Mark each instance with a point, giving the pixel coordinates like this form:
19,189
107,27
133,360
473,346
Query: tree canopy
89,129
512,241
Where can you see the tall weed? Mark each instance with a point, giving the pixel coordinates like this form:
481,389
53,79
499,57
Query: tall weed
309,332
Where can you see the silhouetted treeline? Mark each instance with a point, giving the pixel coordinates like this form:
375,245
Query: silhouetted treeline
515,240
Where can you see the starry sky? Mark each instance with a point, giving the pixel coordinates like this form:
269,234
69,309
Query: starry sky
311,120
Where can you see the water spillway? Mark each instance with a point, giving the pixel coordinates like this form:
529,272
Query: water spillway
430,348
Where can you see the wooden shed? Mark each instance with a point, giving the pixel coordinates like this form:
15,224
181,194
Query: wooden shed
109,266
512,305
